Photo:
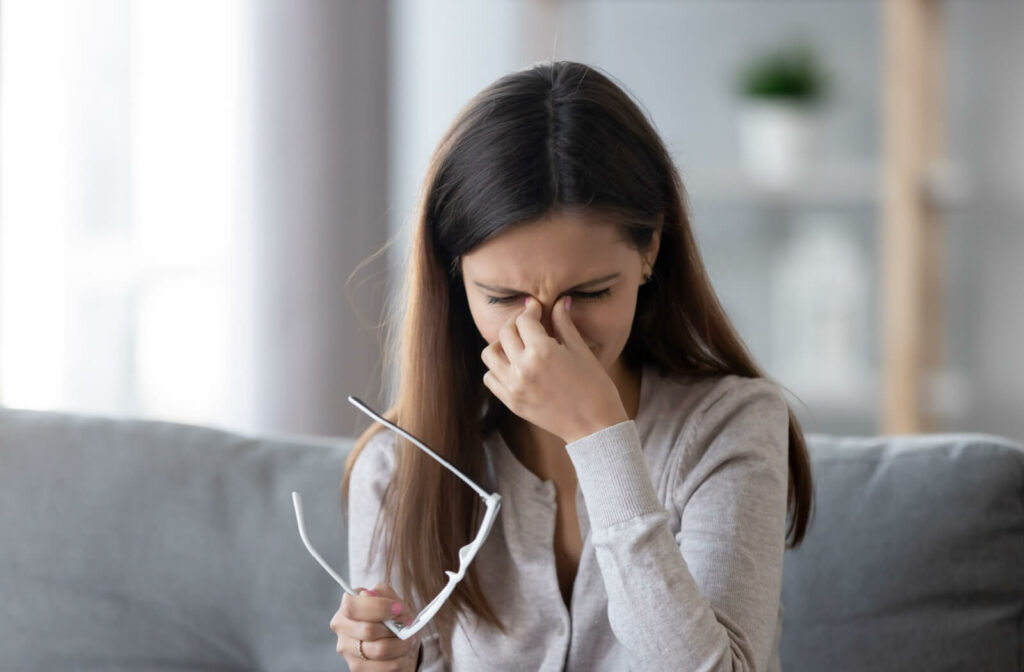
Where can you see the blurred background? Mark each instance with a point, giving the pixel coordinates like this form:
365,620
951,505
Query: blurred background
192,193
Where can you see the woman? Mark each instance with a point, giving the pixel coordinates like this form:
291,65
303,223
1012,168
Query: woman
562,345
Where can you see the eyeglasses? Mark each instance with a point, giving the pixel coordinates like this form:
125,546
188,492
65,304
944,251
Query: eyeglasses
466,554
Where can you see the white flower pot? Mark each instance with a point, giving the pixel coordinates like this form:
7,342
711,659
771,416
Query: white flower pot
777,141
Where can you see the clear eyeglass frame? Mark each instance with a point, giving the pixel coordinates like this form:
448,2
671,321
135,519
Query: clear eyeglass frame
492,501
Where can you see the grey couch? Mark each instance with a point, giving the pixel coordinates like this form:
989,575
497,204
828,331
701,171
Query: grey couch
141,545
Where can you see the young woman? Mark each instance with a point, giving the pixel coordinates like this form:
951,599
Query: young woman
562,345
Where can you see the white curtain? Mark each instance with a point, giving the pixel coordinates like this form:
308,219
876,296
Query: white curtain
184,190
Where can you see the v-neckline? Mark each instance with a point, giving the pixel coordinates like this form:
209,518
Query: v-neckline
509,468
521,475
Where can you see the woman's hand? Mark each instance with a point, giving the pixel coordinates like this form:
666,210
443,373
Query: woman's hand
558,385
360,618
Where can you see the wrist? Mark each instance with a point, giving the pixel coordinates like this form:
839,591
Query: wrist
594,425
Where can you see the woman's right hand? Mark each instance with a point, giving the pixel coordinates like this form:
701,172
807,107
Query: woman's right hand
360,618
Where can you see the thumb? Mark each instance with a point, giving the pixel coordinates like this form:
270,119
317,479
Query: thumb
384,590
564,326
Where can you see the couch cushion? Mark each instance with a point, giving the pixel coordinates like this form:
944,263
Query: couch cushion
144,545
914,559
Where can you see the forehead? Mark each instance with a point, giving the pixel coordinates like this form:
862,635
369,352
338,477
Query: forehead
570,241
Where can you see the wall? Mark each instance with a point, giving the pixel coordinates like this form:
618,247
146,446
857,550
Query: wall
314,208
678,59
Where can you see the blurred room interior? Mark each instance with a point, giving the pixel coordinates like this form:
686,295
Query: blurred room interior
192,194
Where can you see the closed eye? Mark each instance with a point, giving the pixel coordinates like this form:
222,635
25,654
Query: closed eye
583,296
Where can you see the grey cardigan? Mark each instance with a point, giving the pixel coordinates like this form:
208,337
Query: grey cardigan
682,512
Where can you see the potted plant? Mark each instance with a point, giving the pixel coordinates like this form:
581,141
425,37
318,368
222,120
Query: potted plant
781,90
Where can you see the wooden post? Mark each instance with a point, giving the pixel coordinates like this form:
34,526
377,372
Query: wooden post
912,283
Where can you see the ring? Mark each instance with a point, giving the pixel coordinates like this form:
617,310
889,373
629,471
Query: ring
361,654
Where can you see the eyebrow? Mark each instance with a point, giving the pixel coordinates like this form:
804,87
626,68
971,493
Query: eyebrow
588,283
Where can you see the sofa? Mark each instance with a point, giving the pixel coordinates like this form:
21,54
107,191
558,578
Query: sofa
147,545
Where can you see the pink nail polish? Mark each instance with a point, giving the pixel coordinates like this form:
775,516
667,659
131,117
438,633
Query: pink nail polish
568,302
371,593
396,608
526,302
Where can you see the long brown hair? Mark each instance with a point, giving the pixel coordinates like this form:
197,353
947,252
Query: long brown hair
554,136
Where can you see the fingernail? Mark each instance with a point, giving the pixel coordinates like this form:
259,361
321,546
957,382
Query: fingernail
526,302
568,302
371,593
396,608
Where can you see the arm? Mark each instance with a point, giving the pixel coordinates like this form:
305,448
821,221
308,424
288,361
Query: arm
370,476
708,598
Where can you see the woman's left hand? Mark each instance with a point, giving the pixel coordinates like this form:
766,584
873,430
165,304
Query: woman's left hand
558,386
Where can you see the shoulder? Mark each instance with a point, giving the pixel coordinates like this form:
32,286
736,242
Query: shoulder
742,419
731,396
738,435
726,413
693,397
706,397
376,460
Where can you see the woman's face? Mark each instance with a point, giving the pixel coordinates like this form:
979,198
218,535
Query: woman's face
562,254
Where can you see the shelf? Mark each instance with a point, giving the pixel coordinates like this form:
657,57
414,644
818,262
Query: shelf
836,183
831,183
946,395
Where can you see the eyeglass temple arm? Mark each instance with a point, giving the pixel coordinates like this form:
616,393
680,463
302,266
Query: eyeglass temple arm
391,625
300,518
366,409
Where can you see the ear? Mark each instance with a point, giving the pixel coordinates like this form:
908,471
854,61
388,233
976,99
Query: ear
651,253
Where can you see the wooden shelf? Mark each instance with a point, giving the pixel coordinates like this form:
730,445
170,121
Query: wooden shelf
838,183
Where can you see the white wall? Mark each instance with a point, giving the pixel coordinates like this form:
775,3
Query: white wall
678,59
987,124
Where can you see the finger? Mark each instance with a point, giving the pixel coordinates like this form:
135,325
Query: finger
565,328
414,650
495,359
390,648
509,338
528,323
498,389
384,590
371,609
345,627
407,613
342,625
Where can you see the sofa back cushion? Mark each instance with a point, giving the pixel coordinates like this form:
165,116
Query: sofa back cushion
141,545
914,559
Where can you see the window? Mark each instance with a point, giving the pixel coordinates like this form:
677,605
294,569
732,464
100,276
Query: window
118,193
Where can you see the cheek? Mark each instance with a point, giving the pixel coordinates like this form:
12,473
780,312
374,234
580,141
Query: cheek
488,321
606,325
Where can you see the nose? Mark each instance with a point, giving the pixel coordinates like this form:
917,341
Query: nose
546,308
545,320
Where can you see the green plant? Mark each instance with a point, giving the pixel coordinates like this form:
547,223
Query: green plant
791,72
